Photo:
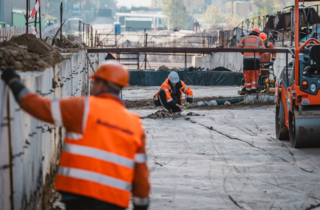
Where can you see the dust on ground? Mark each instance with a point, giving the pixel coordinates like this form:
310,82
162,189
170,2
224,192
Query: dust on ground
162,114
28,53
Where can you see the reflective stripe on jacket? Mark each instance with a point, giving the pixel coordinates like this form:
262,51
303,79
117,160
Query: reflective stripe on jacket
166,87
100,163
267,57
251,42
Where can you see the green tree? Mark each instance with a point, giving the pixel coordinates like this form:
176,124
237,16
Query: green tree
213,15
176,14
195,6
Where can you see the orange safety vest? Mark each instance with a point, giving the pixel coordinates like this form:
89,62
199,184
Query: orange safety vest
100,162
267,57
167,88
251,42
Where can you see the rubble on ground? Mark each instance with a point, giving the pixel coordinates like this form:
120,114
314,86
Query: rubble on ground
193,114
163,68
227,103
162,114
70,43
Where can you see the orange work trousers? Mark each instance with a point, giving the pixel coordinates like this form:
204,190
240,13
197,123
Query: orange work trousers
251,79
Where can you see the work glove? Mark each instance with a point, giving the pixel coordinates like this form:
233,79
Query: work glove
271,63
9,74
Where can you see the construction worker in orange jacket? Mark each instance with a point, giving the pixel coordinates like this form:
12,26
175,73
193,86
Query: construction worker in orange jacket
103,158
251,61
170,94
267,59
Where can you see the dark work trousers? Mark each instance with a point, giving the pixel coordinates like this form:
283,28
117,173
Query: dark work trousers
79,202
90,204
171,107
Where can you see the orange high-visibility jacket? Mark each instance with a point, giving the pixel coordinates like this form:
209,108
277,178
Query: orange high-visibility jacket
104,154
251,42
267,57
167,89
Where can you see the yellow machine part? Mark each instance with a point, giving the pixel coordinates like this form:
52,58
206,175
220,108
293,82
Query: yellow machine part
268,85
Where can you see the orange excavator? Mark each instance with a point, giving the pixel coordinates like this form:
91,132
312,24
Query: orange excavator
297,96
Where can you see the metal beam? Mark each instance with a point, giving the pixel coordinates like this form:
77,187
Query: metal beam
180,50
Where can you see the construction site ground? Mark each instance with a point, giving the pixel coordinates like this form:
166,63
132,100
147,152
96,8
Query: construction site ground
226,158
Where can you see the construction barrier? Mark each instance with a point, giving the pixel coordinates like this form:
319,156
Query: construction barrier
29,148
206,78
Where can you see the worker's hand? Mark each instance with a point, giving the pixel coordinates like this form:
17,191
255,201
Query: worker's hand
180,107
271,63
9,75
186,103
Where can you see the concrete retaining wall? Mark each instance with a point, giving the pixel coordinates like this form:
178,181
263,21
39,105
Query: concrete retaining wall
29,148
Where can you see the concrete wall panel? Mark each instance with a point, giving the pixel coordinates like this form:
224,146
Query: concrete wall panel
35,145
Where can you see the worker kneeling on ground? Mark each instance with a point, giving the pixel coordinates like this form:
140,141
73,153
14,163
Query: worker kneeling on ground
170,94
251,61
104,157
267,59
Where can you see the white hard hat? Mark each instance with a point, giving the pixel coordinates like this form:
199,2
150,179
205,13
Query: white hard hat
174,77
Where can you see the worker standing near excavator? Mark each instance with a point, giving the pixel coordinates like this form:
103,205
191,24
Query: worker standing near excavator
170,94
103,157
267,59
251,60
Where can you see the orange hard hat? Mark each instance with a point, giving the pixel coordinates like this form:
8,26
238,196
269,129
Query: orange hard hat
256,30
263,36
112,71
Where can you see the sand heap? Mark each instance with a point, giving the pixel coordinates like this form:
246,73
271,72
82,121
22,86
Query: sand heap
27,53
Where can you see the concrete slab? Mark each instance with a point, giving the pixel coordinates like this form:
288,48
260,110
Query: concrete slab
142,92
228,159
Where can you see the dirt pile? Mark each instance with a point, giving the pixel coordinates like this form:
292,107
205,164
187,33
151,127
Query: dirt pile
70,43
162,114
33,44
163,68
12,55
27,53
